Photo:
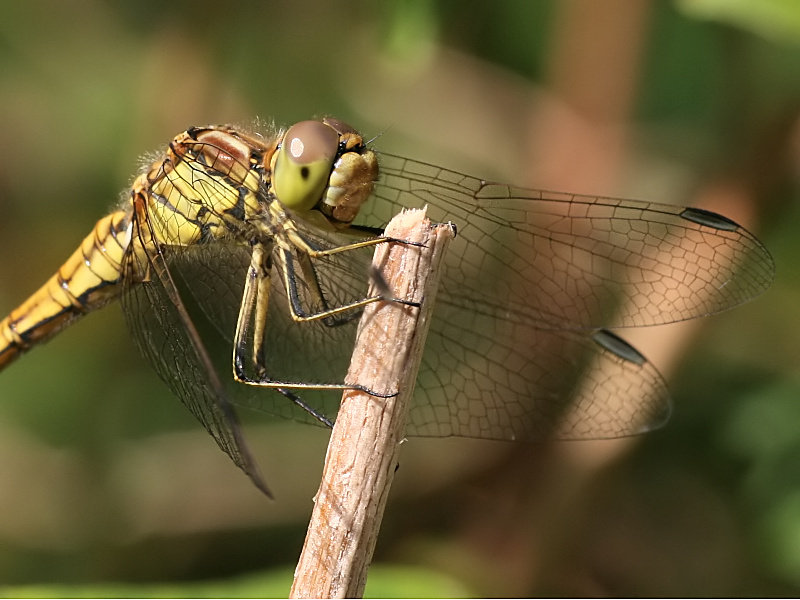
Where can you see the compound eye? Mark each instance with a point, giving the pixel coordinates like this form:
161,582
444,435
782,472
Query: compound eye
303,164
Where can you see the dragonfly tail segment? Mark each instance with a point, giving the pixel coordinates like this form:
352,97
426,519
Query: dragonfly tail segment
88,280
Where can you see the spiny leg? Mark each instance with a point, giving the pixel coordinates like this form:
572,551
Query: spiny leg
300,314
305,246
254,306
256,298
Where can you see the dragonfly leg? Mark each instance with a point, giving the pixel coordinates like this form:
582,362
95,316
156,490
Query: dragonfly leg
304,246
309,409
337,315
254,299
253,313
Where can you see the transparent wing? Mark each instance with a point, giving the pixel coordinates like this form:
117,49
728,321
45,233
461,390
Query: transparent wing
480,376
211,278
512,352
502,379
561,261
515,349
168,336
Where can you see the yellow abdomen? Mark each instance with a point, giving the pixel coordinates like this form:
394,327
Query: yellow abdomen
86,281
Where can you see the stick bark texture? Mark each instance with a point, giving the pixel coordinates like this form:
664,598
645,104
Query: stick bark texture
362,454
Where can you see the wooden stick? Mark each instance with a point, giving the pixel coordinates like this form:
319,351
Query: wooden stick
362,454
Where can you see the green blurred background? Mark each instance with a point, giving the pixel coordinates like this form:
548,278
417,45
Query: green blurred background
108,484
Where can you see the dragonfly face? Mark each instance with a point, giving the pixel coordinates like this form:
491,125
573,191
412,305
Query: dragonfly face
242,263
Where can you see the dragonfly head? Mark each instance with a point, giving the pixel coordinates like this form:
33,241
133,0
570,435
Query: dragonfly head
324,165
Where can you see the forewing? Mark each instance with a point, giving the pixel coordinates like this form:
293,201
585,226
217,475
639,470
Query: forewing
576,262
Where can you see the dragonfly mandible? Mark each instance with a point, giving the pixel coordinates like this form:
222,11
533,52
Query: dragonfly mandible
242,262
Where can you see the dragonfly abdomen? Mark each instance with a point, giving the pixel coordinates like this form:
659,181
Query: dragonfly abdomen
89,279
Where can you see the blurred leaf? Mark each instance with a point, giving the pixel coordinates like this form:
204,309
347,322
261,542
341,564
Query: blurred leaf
777,20
411,30
765,431
393,581
272,584
766,424
384,582
779,535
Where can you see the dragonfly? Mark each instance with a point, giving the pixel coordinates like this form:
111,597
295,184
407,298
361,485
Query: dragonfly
242,263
